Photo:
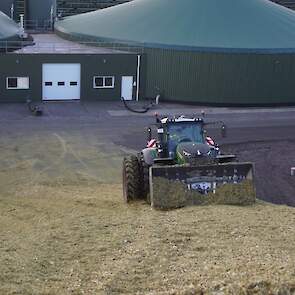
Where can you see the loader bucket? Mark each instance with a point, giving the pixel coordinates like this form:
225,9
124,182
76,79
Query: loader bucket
178,186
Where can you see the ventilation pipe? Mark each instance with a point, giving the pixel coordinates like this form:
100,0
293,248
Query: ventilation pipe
21,32
12,11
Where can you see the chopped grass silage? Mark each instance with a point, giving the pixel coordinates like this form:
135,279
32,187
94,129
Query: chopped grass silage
169,194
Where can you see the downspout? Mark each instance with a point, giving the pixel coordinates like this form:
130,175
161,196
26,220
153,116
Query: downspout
138,77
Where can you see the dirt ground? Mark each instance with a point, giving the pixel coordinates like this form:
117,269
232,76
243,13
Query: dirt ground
273,161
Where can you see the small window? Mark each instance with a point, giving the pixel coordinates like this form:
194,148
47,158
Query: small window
104,82
17,83
98,82
61,83
73,83
48,83
12,83
109,82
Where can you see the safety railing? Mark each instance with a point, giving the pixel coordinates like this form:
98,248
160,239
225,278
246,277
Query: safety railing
14,47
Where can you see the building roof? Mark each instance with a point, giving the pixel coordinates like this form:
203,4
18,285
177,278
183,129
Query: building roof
53,44
226,25
8,28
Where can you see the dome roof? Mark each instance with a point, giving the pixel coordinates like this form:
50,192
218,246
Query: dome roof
235,25
8,28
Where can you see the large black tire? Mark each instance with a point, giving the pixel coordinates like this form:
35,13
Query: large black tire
131,179
144,181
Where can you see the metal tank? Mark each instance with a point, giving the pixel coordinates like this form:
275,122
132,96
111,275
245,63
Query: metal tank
231,52
9,30
5,6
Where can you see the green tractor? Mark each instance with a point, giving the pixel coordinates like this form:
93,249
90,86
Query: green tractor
182,153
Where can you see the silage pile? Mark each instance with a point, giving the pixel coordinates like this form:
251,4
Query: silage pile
85,240
169,194
256,288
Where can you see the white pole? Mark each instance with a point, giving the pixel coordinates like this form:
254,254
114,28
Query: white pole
22,27
12,11
138,77
21,21
51,17
55,8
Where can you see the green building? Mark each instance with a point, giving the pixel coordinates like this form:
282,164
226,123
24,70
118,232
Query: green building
214,52
232,52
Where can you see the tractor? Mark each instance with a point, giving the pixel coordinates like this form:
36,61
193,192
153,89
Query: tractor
182,152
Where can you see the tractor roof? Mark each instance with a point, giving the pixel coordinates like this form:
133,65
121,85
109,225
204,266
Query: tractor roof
180,119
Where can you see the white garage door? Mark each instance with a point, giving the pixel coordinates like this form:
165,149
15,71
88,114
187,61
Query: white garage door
61,81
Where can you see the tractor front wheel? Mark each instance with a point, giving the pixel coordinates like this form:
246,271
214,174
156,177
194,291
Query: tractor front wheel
131,178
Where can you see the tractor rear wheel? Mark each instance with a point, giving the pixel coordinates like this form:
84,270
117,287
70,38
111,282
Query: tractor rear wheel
131,178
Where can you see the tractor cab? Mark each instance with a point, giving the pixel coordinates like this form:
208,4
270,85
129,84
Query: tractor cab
182,139
181,131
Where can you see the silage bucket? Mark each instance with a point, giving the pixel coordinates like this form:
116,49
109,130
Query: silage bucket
178,186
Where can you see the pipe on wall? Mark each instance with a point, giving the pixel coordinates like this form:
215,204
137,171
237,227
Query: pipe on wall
138,77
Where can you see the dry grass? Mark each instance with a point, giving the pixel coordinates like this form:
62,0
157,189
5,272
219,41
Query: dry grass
84,240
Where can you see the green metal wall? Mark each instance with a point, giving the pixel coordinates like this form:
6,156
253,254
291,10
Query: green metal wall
18,65
204,78
221,78
217,78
